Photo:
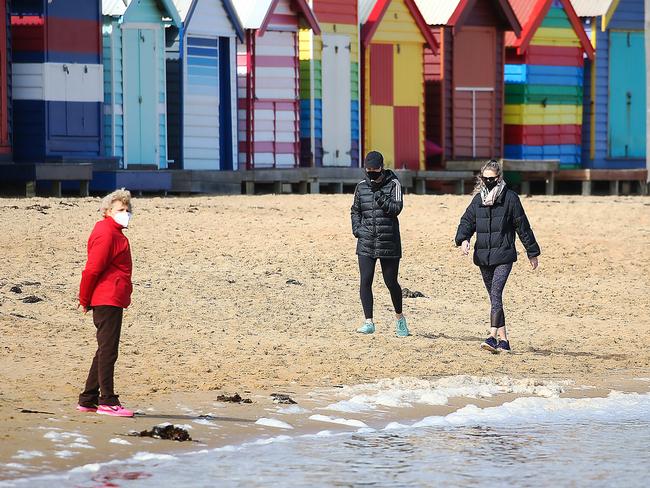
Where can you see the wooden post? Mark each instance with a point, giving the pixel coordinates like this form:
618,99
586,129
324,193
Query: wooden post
550,183
460,187
314,187
586,188
56,189
250,187
84,188
277,187
420,186
302,187
30,189
626,187
338,187
525,187
644,188
613,187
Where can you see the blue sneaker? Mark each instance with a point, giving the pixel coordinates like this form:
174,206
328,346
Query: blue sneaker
401,329
367,328
490,344
503,346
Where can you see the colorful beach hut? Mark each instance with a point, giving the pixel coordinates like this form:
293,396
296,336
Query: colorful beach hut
393,38
614,135
329,86
5,80
135,112
208,72
464,80
544,83
56,79
269,81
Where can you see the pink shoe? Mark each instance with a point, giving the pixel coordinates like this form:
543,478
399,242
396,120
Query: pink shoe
81,408
114,411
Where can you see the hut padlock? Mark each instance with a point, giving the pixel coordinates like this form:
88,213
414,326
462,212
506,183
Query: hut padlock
66,69
628,96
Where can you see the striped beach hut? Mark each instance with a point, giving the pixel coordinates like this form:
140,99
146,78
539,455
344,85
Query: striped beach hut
268,81
393,38
464,81
56,79
135,112
207,48
614,135
544,83
5,80
329,86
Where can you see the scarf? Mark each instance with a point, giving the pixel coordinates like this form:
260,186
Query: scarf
489,197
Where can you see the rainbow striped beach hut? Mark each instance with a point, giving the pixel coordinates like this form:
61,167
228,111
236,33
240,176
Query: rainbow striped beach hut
329,86
544,83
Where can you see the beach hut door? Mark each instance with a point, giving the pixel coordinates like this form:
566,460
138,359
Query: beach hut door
140,96
337,132
627,97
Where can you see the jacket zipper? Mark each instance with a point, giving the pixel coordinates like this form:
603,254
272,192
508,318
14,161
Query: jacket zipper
489,233
374,224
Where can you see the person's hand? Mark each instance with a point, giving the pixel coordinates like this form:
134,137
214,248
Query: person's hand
534,262
464,248
85,309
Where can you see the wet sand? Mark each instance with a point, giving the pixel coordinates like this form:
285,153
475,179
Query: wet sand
214,308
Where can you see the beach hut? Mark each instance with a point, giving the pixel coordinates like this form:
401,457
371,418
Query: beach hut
268,81
614,135
464,81
56,79
135,112
207,92
393,38
5,80
544,83
329,86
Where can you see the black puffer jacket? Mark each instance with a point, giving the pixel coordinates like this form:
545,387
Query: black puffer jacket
374,217
495,228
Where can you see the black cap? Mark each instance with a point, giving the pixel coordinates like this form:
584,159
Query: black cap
374,160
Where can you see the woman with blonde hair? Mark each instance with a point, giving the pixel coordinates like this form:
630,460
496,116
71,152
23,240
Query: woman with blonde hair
106,290
495,214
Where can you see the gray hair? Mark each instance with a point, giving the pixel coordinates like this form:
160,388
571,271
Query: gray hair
121,195
492,164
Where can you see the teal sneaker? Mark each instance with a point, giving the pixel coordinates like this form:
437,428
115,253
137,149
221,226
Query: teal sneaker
367,328
402,330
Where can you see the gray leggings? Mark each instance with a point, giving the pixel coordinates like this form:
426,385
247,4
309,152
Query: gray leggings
495,278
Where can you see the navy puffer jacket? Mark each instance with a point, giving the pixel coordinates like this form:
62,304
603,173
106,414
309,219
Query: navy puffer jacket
374,217
495,228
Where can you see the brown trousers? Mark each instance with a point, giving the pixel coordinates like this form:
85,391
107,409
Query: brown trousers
108,321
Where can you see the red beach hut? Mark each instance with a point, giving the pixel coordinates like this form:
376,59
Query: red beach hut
5,80
464,80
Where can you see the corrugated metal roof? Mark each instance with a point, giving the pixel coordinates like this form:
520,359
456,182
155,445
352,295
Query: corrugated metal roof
365,7
523,10
252,12
437,12
591,8
114,7
183,7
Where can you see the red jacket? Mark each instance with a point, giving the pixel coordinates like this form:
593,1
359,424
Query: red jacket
107,277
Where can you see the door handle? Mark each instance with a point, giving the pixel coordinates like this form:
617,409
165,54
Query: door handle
140,99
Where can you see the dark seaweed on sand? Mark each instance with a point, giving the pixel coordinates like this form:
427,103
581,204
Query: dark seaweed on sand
168,432
282,398
236,398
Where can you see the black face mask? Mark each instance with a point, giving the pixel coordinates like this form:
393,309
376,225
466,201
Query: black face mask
490,183
374,175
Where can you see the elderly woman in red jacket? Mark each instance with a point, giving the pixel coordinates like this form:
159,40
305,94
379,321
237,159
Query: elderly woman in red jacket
106,290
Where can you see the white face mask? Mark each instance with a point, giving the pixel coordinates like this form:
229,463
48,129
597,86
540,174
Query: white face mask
122,218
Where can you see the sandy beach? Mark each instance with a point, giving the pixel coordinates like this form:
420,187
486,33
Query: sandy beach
260,294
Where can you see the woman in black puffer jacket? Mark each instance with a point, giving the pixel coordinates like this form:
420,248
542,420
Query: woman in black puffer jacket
495,214
377,203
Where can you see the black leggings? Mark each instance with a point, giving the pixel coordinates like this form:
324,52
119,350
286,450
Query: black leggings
390,269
